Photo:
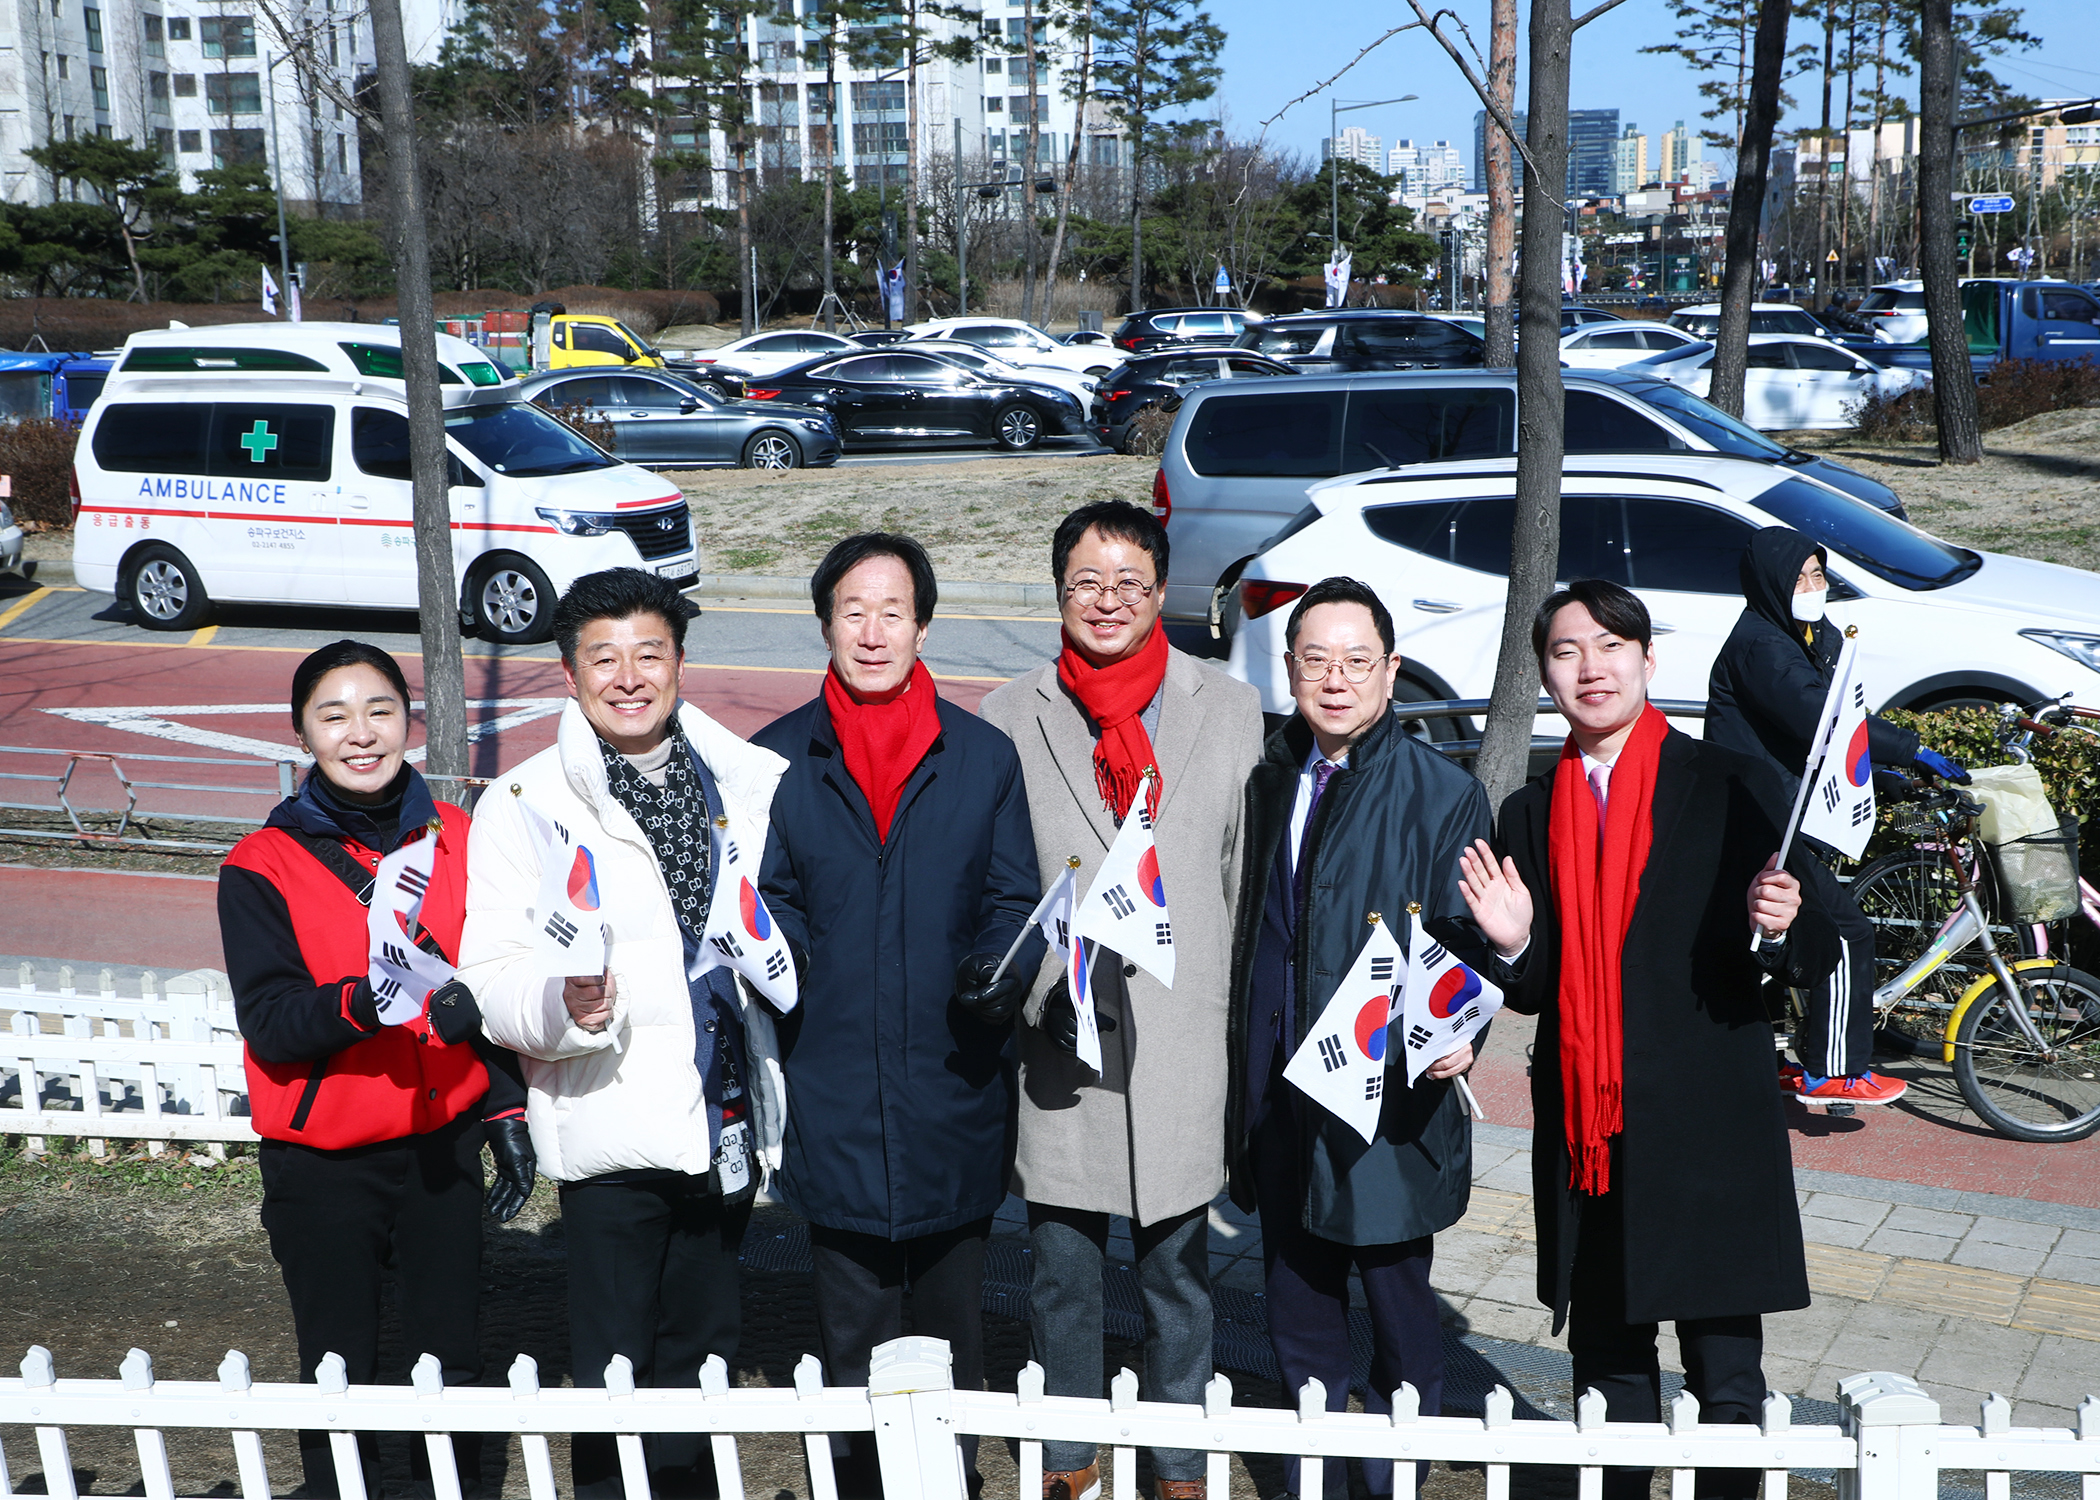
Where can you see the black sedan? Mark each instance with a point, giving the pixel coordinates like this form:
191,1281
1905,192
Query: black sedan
1159,379
666,422
882,397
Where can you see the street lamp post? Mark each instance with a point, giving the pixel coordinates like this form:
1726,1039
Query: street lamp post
1335,109
284,245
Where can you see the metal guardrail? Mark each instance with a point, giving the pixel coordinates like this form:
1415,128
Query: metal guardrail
1460,708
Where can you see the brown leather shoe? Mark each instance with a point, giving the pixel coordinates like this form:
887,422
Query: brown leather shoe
1073,1484
1183,1489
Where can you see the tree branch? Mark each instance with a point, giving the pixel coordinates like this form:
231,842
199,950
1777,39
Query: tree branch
1590,15
1487,99
1326,83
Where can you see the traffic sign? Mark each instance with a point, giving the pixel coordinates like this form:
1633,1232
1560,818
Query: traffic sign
1224,282
1991,203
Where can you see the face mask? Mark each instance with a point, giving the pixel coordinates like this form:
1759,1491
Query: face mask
1808,608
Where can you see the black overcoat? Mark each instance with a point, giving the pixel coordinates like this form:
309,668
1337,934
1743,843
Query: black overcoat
1387,832
900,1103
1703,1166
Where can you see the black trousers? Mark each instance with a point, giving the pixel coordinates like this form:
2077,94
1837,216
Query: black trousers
653,1275
339,1221
1836,1039
860,1281
1723,1357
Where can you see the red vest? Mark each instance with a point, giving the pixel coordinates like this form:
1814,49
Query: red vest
400,1081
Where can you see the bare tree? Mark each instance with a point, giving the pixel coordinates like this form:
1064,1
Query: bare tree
1080,94
1501,188
1746,208
1953,379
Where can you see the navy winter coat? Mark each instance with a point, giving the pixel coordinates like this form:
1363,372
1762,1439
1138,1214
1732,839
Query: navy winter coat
900,1103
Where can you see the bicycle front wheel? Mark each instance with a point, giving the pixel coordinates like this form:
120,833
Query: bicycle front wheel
1907,895
2051,1093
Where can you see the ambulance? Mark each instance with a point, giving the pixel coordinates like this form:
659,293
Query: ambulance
269,463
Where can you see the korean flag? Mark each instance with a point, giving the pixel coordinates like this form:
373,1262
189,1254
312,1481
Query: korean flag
568,935
1126,906
1341,1064
1053,914
1840,801
741,934
402,974
1446,1002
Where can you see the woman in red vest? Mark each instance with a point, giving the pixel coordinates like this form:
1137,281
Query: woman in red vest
373,1092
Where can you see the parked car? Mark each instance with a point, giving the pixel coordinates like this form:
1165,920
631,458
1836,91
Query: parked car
890,396
1018,342
1161,328
1574,315
11,539
1612,346
665,422
1792,382
1938,624
983,362
1159,379
875,338
763,353
1240,454
2006,319
1087,338
1342,340
1704,321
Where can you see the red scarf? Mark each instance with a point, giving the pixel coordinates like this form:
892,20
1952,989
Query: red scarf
1114,696
1596,882
883,740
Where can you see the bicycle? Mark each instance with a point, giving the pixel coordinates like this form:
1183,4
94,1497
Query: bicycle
2021,1032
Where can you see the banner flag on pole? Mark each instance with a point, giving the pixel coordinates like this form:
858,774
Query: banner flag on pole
269,292
741,933
402,974
1446,1002
1840,810
1341,1064
291,297
569,936
1126,906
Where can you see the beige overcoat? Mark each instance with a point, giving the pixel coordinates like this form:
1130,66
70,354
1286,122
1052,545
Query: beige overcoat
1146,1138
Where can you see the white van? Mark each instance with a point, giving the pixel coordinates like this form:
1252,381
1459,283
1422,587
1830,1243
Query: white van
269,463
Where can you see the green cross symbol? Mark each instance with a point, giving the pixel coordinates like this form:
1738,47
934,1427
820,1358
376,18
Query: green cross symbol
258,441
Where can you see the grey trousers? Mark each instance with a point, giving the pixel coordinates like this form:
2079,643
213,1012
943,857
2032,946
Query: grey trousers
1173,1266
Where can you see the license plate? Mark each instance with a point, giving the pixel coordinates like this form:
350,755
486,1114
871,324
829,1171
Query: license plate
684,569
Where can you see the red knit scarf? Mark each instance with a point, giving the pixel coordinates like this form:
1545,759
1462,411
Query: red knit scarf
1595,885
884,739
1114,696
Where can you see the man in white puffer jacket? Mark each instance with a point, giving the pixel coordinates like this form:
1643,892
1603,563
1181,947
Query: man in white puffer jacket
655,1100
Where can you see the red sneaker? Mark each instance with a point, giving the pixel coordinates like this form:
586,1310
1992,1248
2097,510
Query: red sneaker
1789,1073
1866,1088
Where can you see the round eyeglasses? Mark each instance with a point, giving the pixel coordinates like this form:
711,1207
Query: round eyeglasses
1314,666
1128,591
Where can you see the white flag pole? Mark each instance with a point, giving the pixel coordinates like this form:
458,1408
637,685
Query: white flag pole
1071,863
1833,701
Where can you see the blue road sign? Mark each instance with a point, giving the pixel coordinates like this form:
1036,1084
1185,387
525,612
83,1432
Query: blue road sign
1224,282
1991,203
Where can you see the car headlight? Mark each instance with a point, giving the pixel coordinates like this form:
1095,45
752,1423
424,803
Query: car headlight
2083,649
7,516
576,523
816,424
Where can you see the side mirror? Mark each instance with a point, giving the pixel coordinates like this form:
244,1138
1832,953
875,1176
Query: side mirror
689,403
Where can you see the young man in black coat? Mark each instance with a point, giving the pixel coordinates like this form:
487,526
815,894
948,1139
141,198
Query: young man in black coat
1622,915
1346,814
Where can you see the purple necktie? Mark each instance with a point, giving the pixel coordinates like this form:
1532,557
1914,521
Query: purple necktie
1322,773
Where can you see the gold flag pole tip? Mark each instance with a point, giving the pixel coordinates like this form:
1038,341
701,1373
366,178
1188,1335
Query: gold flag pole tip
1072,861
1371,917
1414,908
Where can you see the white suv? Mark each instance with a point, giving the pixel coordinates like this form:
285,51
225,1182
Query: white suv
1895,311
1019,343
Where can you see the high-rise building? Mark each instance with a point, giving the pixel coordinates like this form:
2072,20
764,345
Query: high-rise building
1593,151
1631,169
1438,167
1678,156
1358,145
1480,153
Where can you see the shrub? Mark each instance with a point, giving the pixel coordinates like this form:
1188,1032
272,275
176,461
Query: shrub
38,453
586,421
1902,418
2069,764
1146,437
2012,391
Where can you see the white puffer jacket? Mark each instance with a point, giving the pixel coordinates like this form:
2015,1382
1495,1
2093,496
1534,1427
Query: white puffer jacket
630,1096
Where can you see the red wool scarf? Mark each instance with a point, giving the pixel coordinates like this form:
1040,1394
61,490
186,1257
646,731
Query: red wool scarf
883,740
1596,882
1114,696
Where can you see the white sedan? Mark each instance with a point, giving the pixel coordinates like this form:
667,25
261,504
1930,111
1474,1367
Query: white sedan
769,353
1607,346
1938,624
1020,343
984,362
1793,381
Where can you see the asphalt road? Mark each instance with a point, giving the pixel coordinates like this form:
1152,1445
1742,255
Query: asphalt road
1064,447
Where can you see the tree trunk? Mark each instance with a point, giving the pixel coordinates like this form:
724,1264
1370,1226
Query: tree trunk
1823,161
831,165
1029,236
911,166
1505,746
1064,199
747,319
1137,173
1746,207
1953,378
437,592
1501,189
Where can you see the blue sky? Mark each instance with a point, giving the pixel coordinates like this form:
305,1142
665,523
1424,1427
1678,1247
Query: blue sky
1272,55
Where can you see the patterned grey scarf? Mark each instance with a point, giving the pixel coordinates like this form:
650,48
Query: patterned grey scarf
674,819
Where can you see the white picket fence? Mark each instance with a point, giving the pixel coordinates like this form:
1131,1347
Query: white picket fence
1890,1444
163,1067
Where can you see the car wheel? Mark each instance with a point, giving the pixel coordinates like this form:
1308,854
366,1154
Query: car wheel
1438,731
164,590
1017,429
771,450
1971,697
713,388
1097,371
511,602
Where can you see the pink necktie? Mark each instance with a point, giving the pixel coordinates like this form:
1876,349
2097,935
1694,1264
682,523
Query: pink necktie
1600,788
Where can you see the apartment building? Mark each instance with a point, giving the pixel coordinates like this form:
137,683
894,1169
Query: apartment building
1425,169
1358,145
210,85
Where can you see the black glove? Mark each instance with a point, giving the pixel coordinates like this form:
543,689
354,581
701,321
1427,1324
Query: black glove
1940,766
516,1166
454,1013
1060,1021
992,1001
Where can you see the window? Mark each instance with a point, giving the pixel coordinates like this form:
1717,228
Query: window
522,441
591,338
873,367
227,36
65,68
237,148
917,369
189,141
98,82
1266,436
1598,424
178,28
1766,357
24,393
1591,538
872,97
1279,340
233,93
994,104
1208,325
379,443
94,28
1885,299
589,390
992,65
1817,357
164,141
1793,320
342,153
149,437
2067,306
164,359
1659,338
273,441
1684,546
84,388
1424,528
153,34
1614,338
1393,339
157,87
639,391
1187,371
1873,539
185,85
1423,425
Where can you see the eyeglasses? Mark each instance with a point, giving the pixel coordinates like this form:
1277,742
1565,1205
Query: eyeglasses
1315,667
1129,591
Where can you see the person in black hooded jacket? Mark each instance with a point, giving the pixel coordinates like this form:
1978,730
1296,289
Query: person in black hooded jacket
1764,698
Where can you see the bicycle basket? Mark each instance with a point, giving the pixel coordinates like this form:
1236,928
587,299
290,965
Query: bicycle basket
2039,874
